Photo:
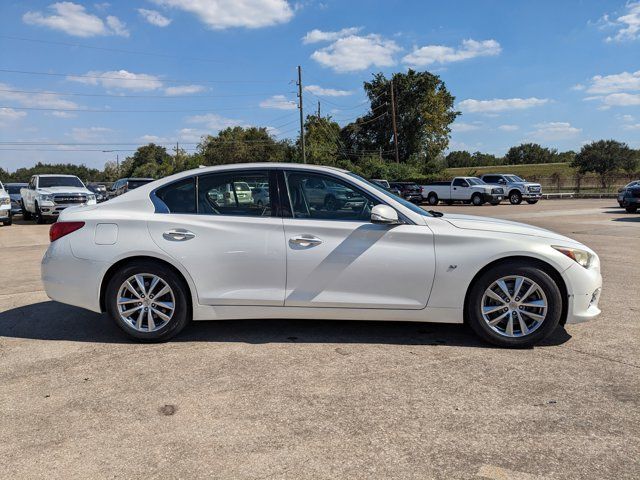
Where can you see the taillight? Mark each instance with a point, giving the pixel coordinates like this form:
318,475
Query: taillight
60,229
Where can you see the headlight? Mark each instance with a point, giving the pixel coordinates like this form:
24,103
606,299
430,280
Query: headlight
46,197
91,198
5,201
581,257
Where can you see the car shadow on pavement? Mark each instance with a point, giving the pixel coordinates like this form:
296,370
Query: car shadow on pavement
55,321
630,218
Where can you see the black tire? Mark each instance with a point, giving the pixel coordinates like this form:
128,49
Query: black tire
26,214
494,203
515,197
532,202
530,271
631,209
9,221
38,218
432,199
476,200
181,315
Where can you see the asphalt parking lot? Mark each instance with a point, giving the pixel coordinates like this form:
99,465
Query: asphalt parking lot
320,399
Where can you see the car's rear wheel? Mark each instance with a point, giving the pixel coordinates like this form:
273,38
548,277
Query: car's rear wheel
148,300
514,305
26,214
476,199
515,198
432,199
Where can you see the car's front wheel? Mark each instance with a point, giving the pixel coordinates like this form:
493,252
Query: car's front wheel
515,198
9,221
148,300
532,202
476,199
38,217
514,305
26,214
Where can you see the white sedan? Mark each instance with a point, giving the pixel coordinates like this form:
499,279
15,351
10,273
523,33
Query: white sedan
173,250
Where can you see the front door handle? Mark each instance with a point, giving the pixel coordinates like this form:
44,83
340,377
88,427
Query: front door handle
305,240
178,235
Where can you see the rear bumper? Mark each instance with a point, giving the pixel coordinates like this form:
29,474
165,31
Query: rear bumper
68,279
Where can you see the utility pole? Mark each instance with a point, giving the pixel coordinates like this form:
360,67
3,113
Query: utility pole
318,109
304,153
393,120
118,163
175,160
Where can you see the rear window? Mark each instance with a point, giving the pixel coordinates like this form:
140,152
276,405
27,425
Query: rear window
137,183
46,182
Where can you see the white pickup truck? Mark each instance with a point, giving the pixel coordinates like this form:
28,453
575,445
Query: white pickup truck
462,189
47,195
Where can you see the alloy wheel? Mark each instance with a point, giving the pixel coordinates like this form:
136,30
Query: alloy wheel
514,306
146,302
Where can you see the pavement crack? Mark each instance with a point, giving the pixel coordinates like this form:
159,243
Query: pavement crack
602,357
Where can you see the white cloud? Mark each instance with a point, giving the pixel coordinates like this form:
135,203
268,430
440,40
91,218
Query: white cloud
192,134
315,36
327,92
120,79
73,19
550,131
213,122
508,128
430,54
500,104
153,139
154,17
460,127
605,84
35,100
620,100
89,134
61,114
627,25
279,102
184,90
631,126
9,115
353,53
221,14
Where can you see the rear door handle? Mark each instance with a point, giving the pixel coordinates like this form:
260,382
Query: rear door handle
305,240
178,235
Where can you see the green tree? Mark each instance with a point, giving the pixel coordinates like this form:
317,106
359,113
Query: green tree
603,158
242,145
322,140
480,159
424,113
529,153
459,158
148,161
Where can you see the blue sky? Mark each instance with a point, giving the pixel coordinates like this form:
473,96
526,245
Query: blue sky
558,73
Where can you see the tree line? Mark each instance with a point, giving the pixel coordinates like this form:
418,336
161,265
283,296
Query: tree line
424,112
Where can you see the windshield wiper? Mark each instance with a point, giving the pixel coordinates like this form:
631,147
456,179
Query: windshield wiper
435,214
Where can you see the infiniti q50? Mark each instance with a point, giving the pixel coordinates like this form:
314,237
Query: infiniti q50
178,249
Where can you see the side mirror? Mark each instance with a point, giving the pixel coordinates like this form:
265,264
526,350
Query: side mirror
502,181
384,214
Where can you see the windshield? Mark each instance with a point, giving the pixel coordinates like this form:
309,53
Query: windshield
513,178
411,206
46,182
14,189
475,181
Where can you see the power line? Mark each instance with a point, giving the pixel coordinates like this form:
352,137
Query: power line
112,95
90,110
98,77
117,50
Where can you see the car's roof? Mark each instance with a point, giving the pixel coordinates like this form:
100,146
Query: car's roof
16,183
279,165
137,179
54,175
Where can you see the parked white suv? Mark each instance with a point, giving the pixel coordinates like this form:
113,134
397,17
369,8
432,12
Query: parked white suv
47,195
5,206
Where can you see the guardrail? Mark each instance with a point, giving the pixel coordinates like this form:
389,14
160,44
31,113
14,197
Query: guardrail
561,195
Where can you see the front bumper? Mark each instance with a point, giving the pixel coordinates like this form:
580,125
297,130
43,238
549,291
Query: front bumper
51,209
584,287
5,212
532,195
493,197
413,197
